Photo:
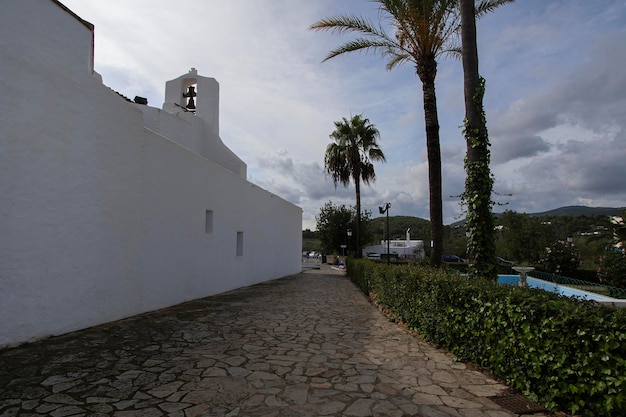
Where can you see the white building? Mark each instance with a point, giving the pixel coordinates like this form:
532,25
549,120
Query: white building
110,208
403,249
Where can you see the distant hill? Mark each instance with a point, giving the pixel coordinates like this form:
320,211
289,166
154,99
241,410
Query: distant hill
398,226
569,211
581,211
421,227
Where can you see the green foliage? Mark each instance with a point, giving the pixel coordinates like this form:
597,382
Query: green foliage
612,270
311,245
310,241
560,258
333,223
565,353
398,225
477,195
523,238
309,234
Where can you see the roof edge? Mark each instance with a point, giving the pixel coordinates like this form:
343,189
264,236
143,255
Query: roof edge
88,25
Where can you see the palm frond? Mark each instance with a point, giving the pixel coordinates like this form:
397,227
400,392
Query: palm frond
453,51
398,59
367,173
343,24
483,7
376,154
380,46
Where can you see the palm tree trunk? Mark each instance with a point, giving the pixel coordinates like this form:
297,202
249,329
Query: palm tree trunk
427,72
357,187
469,55
479,183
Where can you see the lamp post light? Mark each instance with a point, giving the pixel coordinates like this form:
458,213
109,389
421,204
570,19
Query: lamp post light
385,209
349,236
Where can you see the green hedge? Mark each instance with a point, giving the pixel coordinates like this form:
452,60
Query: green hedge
567,354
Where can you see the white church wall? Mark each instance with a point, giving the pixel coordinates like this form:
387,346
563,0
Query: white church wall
190,131
102,218
56,36
174,128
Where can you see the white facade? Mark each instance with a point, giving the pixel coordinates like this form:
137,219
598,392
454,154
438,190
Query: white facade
109,208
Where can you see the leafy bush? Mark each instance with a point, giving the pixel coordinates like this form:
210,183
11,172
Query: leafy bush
561,258
565,353
612,270
589,275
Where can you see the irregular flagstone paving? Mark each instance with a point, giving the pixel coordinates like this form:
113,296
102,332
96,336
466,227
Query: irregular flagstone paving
306,345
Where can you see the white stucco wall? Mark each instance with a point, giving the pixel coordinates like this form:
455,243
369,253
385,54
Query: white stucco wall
100,217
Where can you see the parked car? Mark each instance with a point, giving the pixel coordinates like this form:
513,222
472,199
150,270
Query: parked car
452,258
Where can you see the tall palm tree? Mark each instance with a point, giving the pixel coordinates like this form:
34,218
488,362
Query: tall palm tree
423,31
350,158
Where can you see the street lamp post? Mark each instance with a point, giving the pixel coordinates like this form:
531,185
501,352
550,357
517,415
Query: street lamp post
385,209
349,236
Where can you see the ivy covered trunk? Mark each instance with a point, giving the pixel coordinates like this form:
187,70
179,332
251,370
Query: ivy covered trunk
479,181
427,71
357,187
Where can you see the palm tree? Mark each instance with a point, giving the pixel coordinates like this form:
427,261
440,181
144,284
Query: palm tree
350,158
423,31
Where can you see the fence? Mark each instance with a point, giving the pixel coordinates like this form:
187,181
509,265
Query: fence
601,289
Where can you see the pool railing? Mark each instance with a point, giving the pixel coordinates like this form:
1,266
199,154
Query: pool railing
601,289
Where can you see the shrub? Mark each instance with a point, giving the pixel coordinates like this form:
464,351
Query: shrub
612,270
561,258
565,353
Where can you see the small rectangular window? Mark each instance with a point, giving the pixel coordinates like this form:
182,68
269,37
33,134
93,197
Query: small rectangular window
208,222
239,243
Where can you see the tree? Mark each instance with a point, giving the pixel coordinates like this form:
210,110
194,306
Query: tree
523,238
479,181
333,223
350,158
561,258
612,270
424,30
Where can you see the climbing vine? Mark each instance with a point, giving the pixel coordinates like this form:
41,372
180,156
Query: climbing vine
477,196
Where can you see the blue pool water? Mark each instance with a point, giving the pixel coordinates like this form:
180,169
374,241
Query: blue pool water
552,287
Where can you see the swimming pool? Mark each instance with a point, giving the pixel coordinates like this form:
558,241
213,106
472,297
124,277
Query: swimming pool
552,287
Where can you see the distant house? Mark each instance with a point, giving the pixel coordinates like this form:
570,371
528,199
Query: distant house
403,249
110,208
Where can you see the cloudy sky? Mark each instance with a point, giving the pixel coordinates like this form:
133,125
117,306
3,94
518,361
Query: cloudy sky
555,100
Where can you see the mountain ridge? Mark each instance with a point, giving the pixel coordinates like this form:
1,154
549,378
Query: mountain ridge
568,211
581,211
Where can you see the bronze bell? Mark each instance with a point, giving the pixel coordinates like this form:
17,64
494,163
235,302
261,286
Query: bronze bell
191,105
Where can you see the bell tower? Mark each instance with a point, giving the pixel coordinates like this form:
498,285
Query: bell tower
192,93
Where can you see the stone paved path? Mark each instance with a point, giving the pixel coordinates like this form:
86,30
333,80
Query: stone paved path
307,345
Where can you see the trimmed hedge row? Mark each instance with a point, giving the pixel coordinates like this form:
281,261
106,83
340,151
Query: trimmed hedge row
565,353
